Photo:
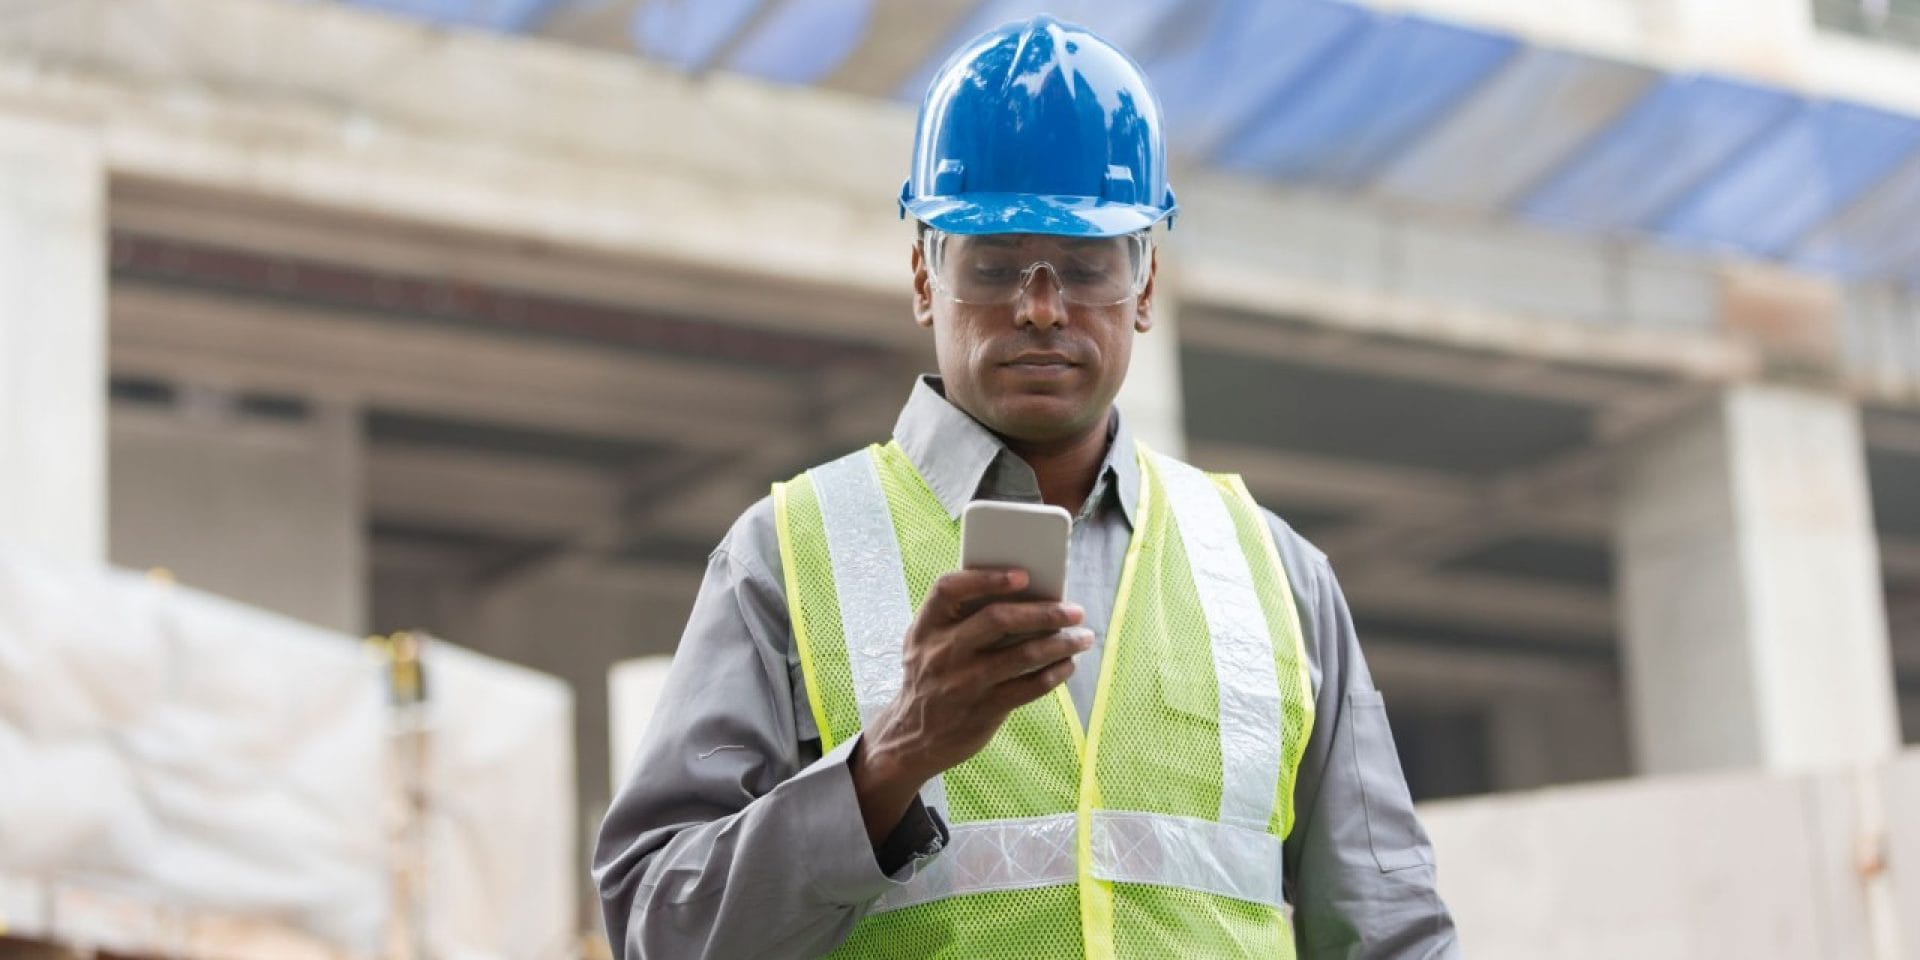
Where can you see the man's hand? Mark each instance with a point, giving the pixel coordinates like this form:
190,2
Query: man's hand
961,678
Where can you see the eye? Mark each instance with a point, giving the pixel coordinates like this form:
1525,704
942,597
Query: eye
992,270
1086,271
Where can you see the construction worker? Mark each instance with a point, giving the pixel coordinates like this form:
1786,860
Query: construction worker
862,751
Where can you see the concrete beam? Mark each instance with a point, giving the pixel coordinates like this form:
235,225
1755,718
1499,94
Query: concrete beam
1411,515
696,498
1442,675
1706,357
247,344
379,243
333,106
1325,481
1900,556
1892,432
1566,497
510,497
1792,318
1570,497
1496,604
1401,359
847,412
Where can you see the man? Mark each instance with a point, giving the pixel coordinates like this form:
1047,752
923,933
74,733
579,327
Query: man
864,752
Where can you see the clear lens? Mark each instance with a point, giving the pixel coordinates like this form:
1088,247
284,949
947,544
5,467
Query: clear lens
993,269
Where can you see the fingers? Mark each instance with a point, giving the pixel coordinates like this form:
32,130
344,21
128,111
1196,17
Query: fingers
1019,691
956,595
992,624
1029,656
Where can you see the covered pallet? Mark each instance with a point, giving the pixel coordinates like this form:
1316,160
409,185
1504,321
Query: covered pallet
182,775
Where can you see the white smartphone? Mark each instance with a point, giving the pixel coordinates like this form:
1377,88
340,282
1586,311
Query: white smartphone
1031,536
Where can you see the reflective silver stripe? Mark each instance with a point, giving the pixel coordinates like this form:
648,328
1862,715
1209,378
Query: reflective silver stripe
1127,847
994,855
1216,858
1249,683
867,575
871,582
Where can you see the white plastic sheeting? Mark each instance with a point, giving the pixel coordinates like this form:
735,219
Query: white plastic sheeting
501,841
182,775
191,752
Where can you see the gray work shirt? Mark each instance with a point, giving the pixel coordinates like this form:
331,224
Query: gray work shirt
736,839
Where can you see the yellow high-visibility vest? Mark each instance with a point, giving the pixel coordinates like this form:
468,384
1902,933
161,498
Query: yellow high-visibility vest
1156,832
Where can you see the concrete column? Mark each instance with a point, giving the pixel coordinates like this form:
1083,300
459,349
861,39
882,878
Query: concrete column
1754,629
1151,399
53,323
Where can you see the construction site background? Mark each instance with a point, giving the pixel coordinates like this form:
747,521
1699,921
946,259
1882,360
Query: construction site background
1584,337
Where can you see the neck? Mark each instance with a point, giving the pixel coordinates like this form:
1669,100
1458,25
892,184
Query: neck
1066,468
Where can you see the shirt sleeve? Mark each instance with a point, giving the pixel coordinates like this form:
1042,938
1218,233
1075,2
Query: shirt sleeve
734,838
1359,868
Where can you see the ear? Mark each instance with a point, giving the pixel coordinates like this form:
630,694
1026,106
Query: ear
922,286
1143,305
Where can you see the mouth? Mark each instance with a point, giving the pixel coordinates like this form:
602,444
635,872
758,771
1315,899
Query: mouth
1040,363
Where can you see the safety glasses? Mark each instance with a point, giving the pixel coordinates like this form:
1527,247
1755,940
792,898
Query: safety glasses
993,269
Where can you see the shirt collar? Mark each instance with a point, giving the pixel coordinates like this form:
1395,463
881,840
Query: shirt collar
957,456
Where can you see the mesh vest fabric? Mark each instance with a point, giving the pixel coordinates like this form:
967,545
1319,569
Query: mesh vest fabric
1154,748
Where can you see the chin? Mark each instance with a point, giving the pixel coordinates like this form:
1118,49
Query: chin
1040,418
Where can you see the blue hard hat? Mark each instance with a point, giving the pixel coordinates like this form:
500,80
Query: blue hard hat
1039,126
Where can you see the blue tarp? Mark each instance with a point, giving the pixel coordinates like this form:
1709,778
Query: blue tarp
1333,95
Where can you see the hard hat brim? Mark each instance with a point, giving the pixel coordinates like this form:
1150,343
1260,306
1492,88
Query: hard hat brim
1066,216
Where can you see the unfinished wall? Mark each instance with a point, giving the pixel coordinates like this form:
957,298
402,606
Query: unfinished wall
1744,865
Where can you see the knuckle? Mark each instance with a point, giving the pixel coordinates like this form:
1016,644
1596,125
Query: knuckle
944,593
1005,617
1038,653
1061,614
1044,617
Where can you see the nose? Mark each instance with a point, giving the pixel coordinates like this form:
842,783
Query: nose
1041,304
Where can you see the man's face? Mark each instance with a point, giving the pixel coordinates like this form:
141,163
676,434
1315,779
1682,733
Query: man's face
1040,368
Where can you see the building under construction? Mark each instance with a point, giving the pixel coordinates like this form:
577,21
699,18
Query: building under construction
1584,337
